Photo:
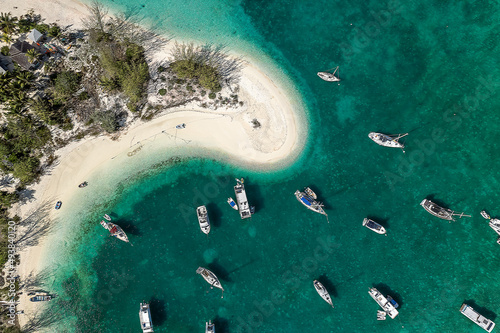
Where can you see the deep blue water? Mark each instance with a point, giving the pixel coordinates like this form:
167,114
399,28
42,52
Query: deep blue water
429,68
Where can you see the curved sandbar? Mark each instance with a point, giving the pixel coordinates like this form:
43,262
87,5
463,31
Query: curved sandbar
223,134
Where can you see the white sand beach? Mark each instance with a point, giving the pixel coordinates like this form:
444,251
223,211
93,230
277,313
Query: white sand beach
227,135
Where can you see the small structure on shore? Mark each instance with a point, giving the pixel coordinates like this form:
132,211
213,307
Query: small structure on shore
35,36
18,52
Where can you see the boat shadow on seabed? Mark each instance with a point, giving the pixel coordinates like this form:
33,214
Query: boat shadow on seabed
128,227
214,214
158,310
222,324
481,310
220,271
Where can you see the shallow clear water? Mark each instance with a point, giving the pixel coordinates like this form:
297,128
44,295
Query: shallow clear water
429,68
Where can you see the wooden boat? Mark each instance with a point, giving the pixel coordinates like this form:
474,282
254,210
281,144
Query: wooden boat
310,193
211,278
231,203
386,140
323,292
145,318
203,220
438,211
209,327
374,226
330,77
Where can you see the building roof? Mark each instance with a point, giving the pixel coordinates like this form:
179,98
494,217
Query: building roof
17,54
35,35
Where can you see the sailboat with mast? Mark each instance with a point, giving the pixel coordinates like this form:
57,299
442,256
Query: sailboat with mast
441,212
386,140
211,278
330,77
323,292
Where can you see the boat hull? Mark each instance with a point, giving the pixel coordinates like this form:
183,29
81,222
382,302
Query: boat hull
117,231
210,277
385,140
309,202
436,210
203,220
383,302
321,290
326,76
145,318
374,226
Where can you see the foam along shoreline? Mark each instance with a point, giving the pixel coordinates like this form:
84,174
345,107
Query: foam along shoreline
226,135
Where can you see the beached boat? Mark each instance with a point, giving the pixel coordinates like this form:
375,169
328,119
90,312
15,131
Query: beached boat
231,203
202,214
241,199
145,318
115,231
209,327
83,184
181,126
58,205
310,193
323,292
210,277
41,298
495,225
438,211
374,226
309,202
330,77
485,215
386,140
384,303
107,217
470,313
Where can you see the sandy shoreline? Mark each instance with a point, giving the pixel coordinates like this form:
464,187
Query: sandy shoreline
224,134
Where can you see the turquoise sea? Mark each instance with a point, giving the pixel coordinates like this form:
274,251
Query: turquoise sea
428,67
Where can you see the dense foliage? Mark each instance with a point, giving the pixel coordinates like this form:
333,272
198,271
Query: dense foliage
207,76
124,65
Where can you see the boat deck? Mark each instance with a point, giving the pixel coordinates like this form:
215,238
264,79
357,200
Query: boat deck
470,313
242,201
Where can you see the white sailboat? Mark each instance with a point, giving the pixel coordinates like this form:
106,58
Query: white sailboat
323,292
330,77
211,278
386,140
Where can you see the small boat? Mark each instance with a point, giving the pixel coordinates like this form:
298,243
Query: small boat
241,199
383,302
58,205
330,77
231,203
381,315
387,140
323,292
252,210
115,231
181,126
209,327
310,193
309,202
145,318
202,214
374,226
106,216
210,277
438,211
41,298
498,241
495,225
392,301
474,316
83,184
485,215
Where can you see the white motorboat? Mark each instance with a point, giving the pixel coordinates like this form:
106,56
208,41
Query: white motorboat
374,226
203,220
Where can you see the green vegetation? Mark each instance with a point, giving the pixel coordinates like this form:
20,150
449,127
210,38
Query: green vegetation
124,65
162,92
107,120
65,84
5,50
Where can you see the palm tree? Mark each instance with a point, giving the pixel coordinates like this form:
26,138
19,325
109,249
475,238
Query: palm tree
7,23
32,55
7,38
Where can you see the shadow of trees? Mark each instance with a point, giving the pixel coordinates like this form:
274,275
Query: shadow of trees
34,227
